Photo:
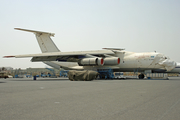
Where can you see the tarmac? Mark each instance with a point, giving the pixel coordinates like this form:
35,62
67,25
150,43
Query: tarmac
61,99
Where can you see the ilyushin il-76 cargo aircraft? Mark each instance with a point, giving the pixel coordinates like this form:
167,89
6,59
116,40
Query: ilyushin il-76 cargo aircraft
116,59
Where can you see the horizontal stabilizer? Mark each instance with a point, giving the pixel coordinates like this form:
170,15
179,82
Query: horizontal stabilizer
34,31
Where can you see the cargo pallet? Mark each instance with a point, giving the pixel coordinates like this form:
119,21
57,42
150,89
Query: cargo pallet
63,73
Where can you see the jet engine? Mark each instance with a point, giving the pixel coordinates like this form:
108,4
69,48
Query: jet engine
91,62
111,61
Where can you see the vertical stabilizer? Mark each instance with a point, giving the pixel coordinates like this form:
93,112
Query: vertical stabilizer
45,42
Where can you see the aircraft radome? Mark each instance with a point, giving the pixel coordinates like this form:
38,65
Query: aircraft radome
116,59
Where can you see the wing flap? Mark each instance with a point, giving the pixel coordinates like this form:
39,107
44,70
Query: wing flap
120,49
57,58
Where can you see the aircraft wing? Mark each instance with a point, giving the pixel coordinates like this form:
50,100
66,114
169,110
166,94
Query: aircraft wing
64,56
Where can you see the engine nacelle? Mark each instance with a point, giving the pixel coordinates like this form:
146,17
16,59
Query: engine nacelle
91,62
111,61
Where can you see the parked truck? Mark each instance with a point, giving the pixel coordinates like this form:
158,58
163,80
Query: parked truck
3,75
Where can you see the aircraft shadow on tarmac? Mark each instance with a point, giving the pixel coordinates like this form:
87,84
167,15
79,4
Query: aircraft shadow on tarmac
2,82
41,80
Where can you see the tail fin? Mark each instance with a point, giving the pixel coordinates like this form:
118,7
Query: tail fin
44,40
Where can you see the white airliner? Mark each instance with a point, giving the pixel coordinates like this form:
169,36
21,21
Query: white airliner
109,58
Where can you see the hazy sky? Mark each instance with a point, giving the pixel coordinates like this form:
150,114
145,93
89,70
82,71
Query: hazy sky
136,25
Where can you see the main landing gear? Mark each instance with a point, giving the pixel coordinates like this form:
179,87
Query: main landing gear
141,76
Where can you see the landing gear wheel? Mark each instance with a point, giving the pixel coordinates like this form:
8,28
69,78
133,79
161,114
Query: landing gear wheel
141,76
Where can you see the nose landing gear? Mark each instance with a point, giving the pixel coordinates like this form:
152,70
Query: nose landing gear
141,76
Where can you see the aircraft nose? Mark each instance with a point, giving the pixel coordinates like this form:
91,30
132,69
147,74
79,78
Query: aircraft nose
168,64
